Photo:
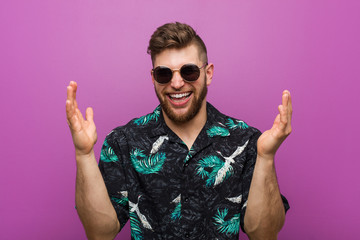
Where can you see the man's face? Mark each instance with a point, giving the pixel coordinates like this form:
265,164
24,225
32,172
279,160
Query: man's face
180,100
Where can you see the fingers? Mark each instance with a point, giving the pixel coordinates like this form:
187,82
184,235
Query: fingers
69,111
79,116
74,85
283,116
89,114
290,107
71,91
75,118
72,112
276,121
285,111
285,97
288,104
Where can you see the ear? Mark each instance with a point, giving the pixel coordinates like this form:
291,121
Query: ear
209,73
152,76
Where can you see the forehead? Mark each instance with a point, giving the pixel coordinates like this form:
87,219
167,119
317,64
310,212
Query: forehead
175,58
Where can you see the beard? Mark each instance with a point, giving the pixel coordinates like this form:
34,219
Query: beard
193,110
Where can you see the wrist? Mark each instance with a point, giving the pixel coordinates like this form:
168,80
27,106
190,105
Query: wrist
266,157
81,155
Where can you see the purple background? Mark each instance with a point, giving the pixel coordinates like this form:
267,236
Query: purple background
259,48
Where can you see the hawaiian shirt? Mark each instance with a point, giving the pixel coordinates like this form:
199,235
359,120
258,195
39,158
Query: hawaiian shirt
170,192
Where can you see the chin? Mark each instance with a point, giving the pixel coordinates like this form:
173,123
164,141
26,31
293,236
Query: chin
191,110
183,116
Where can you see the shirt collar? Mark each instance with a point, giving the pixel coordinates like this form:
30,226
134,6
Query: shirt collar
202,140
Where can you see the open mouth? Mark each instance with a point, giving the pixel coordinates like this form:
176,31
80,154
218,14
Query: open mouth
179,97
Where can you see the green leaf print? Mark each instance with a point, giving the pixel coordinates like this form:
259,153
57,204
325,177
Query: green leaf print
190,154
149,117
217,131
136,232
236,124
209,167
176,214
107,153
123,200
228,227
147,164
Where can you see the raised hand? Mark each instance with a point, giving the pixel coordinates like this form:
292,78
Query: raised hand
83,131
270,140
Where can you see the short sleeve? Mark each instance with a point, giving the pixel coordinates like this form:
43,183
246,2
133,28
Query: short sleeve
251,154
111,165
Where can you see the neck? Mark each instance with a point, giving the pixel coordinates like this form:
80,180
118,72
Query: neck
188,131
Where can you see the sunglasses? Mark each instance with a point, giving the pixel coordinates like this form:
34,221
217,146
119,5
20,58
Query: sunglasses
189,72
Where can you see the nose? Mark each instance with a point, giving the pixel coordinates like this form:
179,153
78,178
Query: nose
177,81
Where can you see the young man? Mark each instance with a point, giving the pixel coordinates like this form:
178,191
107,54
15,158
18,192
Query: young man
184,171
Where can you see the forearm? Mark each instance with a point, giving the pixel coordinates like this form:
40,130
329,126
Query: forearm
92,201
265,213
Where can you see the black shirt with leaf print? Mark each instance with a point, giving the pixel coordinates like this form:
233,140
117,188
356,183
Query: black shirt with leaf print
171,192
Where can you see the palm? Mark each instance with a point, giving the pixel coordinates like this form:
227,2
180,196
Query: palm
84,134
83,131
270,140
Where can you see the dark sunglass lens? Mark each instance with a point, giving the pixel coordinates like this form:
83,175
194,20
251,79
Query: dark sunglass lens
162,74
190,72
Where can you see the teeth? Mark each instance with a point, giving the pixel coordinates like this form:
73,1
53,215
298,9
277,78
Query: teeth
180,95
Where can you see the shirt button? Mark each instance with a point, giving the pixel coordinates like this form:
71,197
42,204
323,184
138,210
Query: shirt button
186,199
187,235
186,164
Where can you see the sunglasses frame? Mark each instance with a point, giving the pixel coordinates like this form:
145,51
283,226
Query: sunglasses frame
177,70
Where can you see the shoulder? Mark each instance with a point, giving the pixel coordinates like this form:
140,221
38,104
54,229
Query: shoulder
148,119
138,127
229,125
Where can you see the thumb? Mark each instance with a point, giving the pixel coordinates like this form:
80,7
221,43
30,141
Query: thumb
277,120
89,114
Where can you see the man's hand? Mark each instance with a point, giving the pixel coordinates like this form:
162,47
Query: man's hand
265,215
93,204
270,140
83,131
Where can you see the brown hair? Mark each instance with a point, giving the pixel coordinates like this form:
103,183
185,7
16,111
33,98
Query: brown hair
175,35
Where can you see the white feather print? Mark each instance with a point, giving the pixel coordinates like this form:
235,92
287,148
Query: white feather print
220,176
177,199
239,150
110,133
221,124
228,160
143,220
124,193
245,204
157,144
235,199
